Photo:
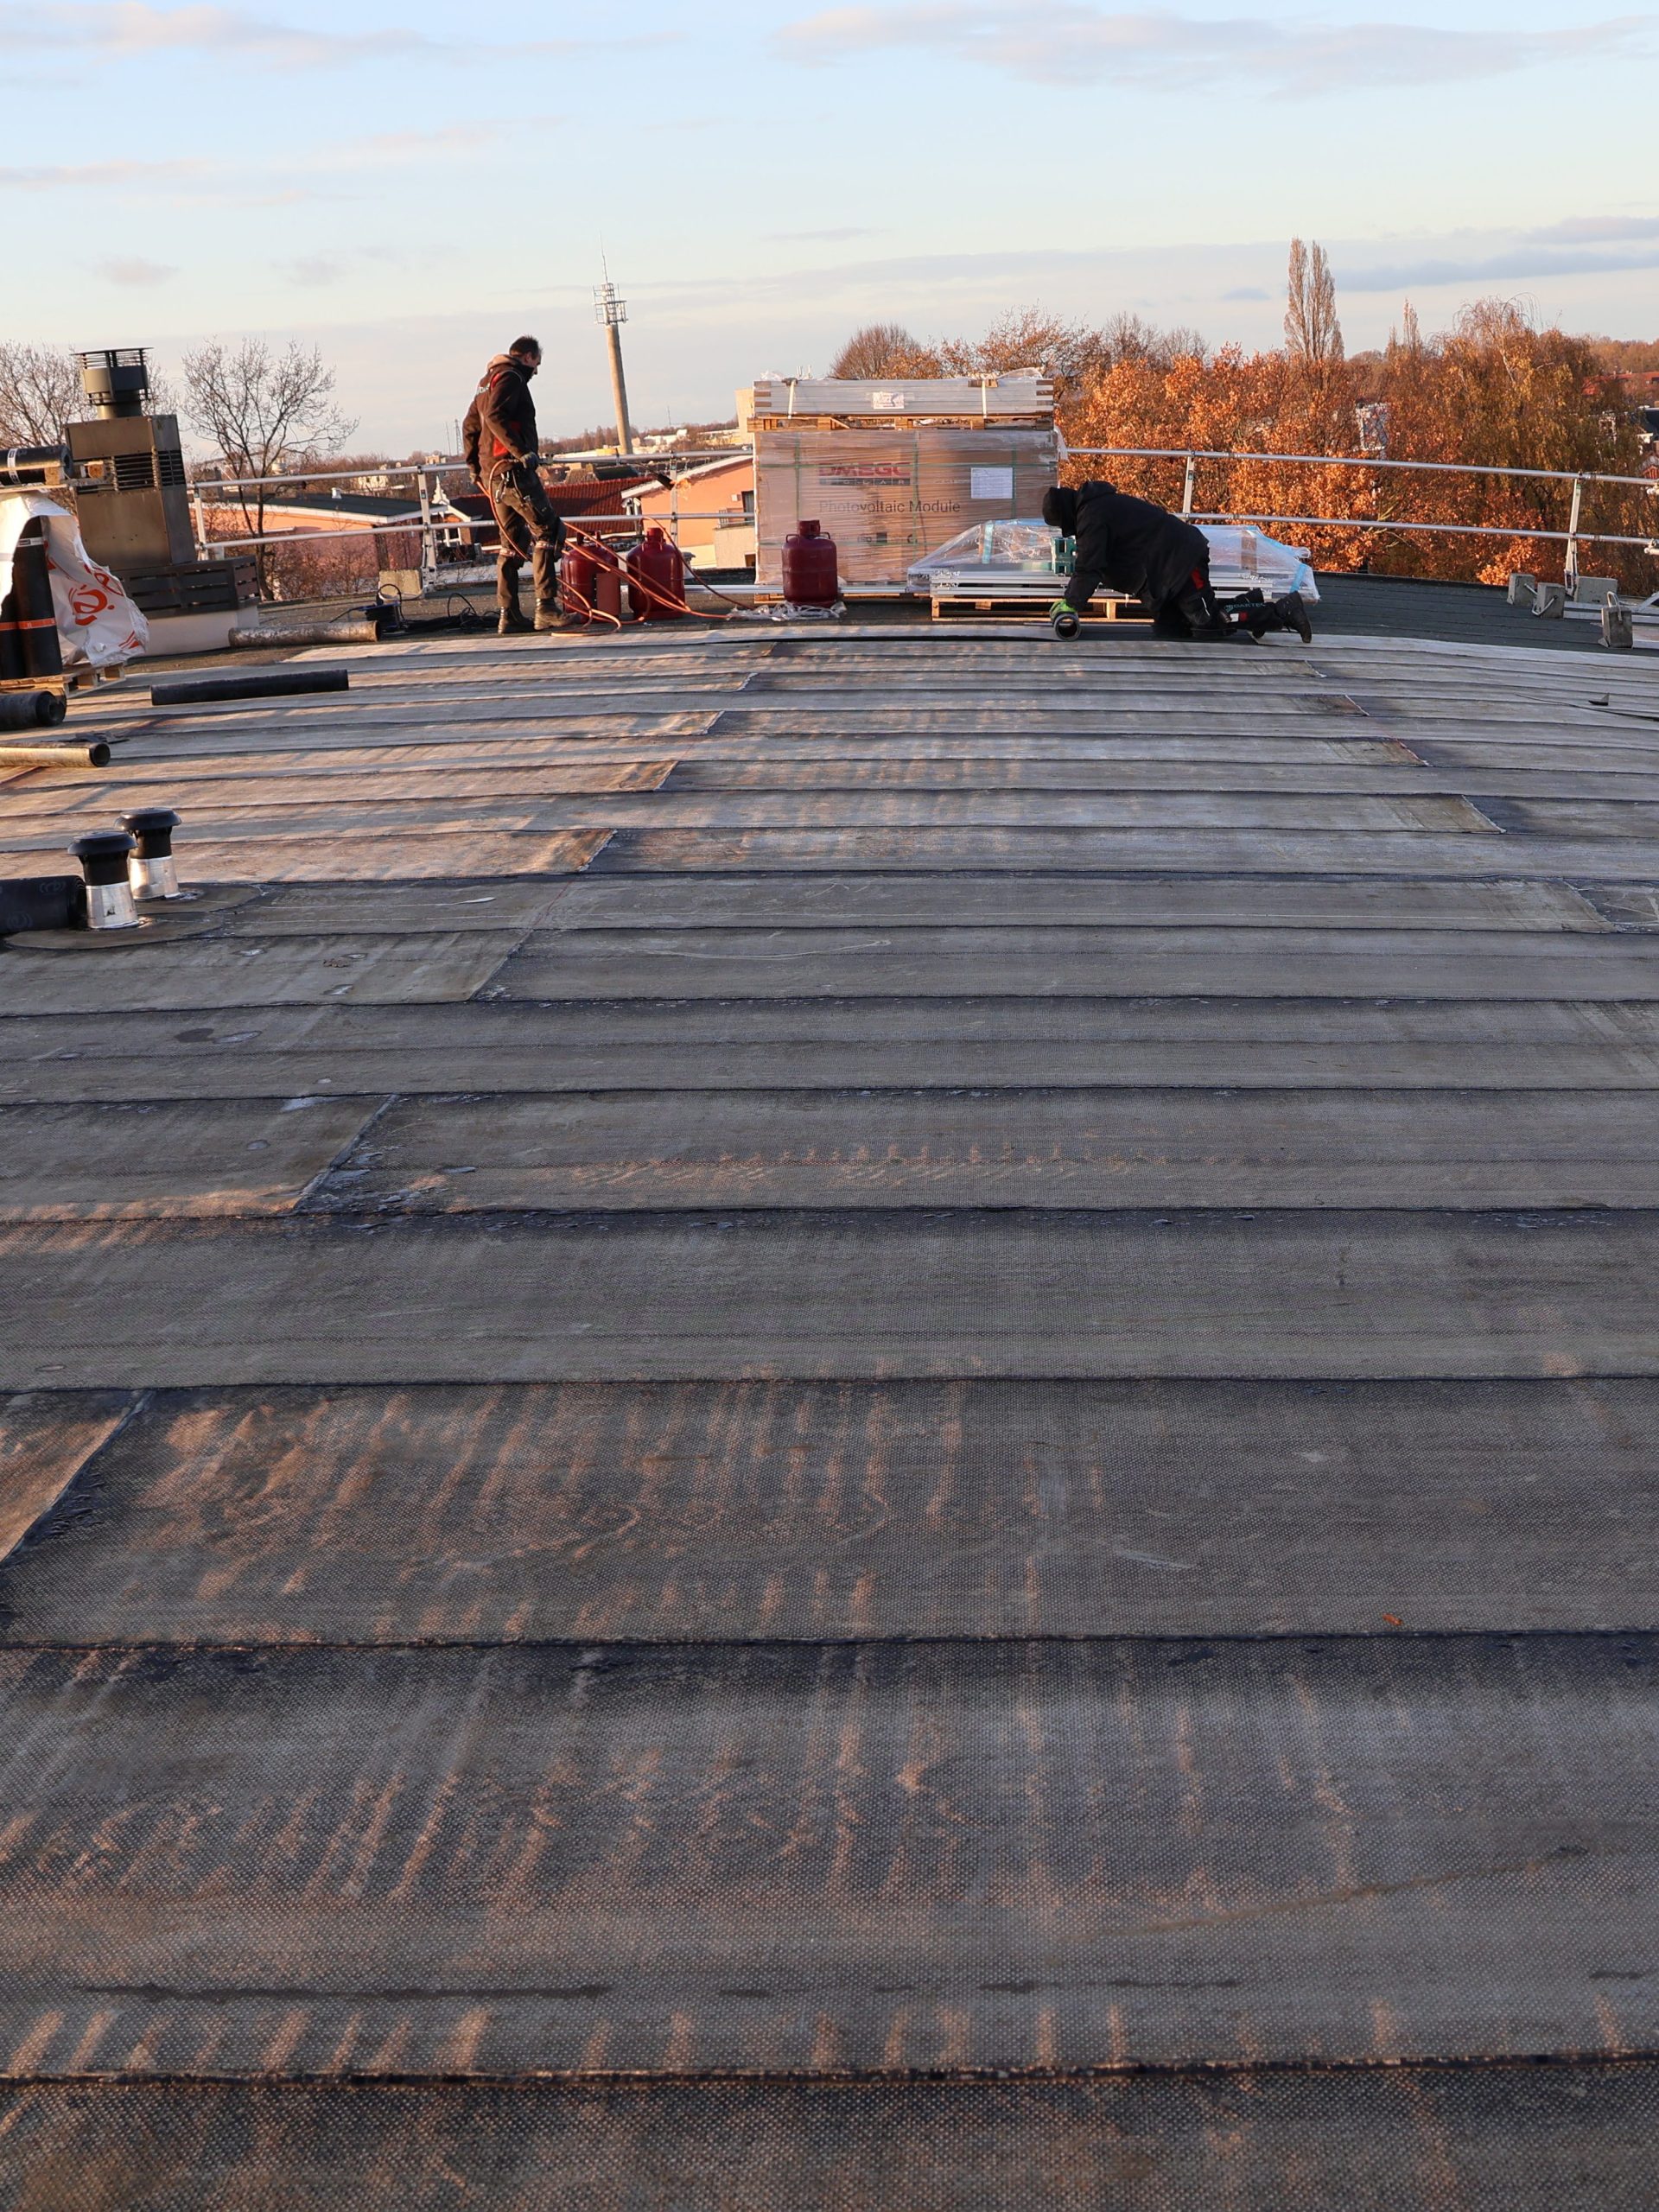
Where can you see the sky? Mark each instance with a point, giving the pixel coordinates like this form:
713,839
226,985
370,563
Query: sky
409,187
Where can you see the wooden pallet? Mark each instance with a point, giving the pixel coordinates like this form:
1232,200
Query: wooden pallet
1033,606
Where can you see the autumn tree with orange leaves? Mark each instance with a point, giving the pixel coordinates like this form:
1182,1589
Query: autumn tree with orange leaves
1491,391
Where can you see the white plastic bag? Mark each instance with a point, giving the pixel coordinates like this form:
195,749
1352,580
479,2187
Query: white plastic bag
98,626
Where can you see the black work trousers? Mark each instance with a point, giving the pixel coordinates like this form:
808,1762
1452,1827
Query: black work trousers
1191,611
530,531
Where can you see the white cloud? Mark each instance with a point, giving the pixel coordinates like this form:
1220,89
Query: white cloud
823,237
391,148
313,270
58,176
271,183
1512,265
94,31
1072,42
134,272
1578,229
120,30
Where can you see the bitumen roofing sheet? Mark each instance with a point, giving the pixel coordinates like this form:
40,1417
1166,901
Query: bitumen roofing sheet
848,1420
850,1858
520,1512
1502,2139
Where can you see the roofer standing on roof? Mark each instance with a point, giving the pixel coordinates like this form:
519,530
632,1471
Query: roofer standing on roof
1137,547
503,454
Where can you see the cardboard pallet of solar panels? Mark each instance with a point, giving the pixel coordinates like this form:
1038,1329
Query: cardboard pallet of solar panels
891,470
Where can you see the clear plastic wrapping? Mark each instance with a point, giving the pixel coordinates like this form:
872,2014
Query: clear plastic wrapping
1020,551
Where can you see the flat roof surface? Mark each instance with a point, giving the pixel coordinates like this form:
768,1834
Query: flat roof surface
1408,606
849,1418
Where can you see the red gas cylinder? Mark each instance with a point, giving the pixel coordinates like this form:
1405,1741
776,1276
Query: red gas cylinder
607,592
658,564
809,578
576,573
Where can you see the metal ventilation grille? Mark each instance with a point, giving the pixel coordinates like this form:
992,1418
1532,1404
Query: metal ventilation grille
169,465
135,472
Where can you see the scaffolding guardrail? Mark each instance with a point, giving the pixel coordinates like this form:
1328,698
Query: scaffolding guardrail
412,526
1573,537
425,519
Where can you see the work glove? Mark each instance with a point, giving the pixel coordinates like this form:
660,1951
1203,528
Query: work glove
1064,618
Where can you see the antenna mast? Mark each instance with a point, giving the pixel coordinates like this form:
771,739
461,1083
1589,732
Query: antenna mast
614,312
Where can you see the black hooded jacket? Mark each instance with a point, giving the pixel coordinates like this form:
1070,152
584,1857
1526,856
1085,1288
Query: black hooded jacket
1128,543
501,422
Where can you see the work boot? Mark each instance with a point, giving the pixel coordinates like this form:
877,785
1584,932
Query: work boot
1294,608
555,617
1256,622
513,623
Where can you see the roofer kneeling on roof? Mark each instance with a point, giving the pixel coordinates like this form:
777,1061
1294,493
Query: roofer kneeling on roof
504,454
1137,547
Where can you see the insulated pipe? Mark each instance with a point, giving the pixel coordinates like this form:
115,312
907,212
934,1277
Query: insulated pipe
150,870
365,632
54,756
30,464
103,857
279,685
30,709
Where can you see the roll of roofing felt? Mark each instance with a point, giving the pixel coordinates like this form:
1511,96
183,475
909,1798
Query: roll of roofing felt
365,633
53,756
274,683
30,709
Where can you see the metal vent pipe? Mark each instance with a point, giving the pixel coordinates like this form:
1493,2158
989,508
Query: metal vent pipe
116,379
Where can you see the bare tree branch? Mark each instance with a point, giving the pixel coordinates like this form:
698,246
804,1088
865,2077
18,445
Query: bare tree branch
40,391
261,411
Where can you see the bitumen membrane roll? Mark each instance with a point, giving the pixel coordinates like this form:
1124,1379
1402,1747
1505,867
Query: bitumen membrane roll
272,684
24,710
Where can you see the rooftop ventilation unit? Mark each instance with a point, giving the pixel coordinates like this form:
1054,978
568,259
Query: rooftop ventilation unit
114,379
135,508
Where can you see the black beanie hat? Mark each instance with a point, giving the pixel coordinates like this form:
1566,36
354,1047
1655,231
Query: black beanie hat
1060,510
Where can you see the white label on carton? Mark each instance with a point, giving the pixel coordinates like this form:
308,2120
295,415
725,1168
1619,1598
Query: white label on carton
990,483
892,402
